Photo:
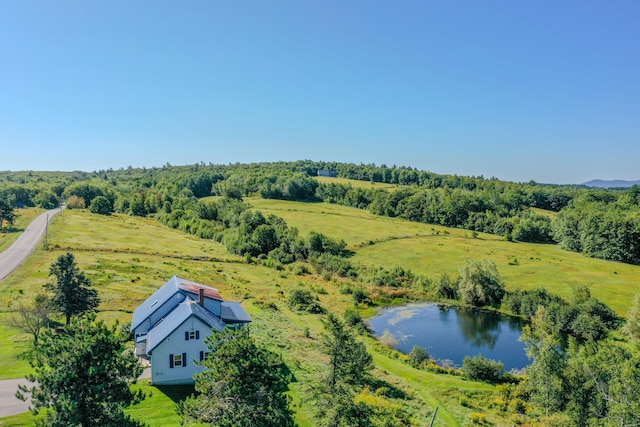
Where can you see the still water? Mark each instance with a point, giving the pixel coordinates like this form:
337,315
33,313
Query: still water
451,333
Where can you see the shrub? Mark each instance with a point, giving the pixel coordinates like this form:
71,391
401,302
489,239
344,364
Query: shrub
315,308
301,299
352,318
360,296
418,356
75,202
482,369
447,288
265,304
300,269
272,263
477,418
388,339
346,290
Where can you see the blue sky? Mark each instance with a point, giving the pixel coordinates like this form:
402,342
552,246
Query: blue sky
541,90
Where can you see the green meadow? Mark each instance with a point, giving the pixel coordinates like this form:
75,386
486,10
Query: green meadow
127,258
358,184
433,251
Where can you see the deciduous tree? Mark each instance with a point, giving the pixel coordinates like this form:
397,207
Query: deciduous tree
101,205
33,318
480,283
7,214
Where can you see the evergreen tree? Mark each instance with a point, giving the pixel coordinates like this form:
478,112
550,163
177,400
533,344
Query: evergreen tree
72,293
242,385
349,364
82,376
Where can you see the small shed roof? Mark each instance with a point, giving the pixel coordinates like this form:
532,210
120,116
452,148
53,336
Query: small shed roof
232,312
176,318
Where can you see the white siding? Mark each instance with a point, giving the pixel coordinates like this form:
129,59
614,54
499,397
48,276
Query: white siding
161,372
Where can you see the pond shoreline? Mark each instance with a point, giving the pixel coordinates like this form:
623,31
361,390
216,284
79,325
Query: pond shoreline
451,332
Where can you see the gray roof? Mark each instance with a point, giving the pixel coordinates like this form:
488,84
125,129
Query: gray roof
175,285
232,312
176,318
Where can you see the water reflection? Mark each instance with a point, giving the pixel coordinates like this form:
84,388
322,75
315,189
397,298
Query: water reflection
479,329
451,333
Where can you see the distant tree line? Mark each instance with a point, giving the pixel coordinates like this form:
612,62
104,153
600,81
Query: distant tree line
602,225
599,223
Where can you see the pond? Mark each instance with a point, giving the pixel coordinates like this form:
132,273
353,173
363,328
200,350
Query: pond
451,333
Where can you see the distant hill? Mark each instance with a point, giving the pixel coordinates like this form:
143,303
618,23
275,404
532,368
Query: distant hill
616,183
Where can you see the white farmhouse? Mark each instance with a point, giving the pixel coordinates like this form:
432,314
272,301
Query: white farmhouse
170,327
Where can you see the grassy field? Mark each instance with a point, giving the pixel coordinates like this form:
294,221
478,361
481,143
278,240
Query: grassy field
128,258
433,250
359,184
356,226
24,217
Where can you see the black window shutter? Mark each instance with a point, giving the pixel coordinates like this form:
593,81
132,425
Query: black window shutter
186,335
171,360
197,335
184,360
201,356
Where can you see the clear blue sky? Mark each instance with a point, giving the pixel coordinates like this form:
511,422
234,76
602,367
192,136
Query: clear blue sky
519,90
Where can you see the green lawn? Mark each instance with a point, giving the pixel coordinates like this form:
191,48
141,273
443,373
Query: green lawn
13,344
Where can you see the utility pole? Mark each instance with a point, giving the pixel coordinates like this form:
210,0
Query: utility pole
434,417
46,232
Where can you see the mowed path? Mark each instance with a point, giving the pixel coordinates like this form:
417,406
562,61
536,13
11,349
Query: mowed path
18,252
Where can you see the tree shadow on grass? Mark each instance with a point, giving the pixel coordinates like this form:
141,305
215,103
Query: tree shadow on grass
176,393
385,389
11,230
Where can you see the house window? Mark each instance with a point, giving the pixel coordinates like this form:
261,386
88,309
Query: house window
204,355
176,360
191,335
